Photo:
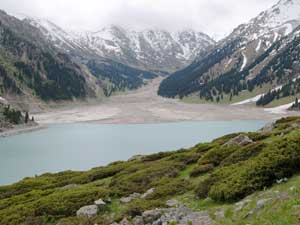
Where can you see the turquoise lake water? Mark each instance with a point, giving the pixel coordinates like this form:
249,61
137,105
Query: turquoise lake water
84,146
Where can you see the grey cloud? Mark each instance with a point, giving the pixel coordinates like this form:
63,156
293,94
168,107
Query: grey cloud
216,17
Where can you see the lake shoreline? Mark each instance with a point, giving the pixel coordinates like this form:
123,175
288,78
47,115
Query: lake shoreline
20,129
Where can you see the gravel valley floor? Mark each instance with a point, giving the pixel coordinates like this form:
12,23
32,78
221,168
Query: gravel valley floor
145,106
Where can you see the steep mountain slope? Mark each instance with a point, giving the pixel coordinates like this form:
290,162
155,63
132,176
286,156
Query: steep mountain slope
190,186
120,77
236,63
155,50
33,67
29,66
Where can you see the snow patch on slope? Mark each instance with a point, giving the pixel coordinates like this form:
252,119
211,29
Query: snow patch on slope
279,109
245,61
258,46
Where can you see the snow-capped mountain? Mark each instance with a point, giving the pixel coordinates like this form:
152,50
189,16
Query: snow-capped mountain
270,25
237,60
148,49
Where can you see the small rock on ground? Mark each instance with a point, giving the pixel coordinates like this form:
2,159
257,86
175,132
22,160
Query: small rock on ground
88,211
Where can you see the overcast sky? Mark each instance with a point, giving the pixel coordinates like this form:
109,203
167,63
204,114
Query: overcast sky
215,17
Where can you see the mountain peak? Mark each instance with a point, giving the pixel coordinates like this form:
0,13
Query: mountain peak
151,49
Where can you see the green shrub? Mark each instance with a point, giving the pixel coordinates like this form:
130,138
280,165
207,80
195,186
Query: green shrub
216,155
166,187
201,169
280,159
138,206
157,156
141,178
243,153
187,157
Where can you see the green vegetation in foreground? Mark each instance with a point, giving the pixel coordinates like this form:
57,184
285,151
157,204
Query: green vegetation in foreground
210,176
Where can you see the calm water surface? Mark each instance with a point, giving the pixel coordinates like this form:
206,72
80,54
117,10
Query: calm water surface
83,146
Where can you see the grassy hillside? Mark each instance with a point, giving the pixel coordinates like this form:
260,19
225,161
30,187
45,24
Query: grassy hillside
209,177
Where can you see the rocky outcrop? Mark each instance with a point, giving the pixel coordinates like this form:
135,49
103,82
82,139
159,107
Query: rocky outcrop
102,206
240,140
136,157
148,193
92,210
136,196
88,211
178,216
69,186
268,127
172,203
241,205
130,198
295,125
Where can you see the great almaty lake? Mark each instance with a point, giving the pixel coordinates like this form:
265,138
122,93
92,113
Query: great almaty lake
83,146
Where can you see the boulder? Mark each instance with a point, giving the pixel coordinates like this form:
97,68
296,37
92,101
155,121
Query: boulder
172,203
180,216
268,127
125,222
138,220
69,186
295,125
99,202
130,198
240,205
151,215
282,180
136,157
147,193
220,214
240,140
125,200
101,205
88,211
261,203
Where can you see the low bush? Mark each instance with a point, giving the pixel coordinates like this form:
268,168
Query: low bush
201,169
166,187
138,206
278,160
217,154
244,153
141,179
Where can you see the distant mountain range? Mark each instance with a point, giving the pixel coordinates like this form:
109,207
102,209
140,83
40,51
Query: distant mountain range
152,50
258,61
256,57
41,60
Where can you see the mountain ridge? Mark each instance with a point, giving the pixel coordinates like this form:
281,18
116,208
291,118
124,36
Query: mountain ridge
226,70
149,49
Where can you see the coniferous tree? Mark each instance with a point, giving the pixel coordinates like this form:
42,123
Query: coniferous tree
296,105
26,117
230,98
